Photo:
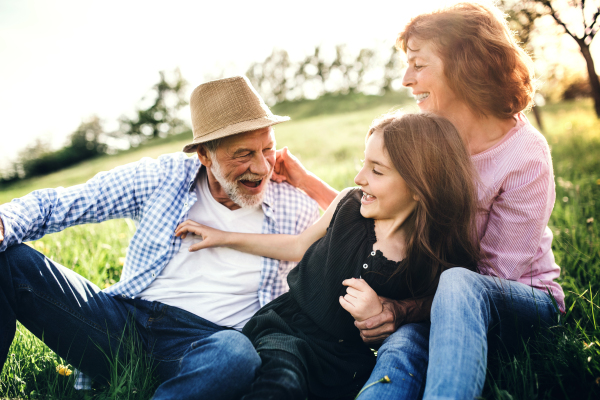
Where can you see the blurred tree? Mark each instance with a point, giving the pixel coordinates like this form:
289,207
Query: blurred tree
522,15
579,18
277,78
85,143
393,71
159,118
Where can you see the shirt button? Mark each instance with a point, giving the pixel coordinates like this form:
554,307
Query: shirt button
153,274
186,204
373,253
123,296
365,266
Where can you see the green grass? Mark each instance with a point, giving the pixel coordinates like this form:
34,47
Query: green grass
328,136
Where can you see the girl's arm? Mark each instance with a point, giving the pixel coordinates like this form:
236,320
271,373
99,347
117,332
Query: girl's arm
280,247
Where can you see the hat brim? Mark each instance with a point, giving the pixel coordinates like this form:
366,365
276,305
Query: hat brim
245,126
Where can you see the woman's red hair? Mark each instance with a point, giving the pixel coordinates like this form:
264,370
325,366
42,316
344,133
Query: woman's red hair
484,65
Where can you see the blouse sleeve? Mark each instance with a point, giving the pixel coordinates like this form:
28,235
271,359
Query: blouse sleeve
518,217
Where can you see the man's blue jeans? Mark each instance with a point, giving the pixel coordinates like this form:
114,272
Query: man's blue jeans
468,310
193,357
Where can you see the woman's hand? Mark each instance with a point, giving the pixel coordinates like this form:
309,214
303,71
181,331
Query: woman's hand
210,237
360,300
375,329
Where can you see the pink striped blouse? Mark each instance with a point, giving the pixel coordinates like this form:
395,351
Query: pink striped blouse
516,198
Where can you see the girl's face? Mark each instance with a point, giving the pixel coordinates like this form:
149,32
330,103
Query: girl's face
385,193
425,76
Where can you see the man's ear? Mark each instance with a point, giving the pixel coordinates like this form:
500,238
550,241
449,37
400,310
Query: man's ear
416,198
204,155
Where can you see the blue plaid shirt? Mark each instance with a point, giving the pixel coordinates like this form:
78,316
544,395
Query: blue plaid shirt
157,195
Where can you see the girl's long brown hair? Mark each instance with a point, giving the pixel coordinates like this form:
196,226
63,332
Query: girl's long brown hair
431,157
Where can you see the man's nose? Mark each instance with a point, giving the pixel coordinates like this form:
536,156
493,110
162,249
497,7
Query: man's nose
261,165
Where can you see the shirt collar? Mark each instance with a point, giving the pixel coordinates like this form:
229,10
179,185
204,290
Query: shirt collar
198,168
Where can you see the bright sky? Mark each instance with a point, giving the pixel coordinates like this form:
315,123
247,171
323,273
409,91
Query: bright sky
64,60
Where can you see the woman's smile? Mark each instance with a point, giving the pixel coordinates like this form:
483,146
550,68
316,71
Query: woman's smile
420,97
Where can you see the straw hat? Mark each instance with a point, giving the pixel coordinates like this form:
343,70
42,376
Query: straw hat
225,107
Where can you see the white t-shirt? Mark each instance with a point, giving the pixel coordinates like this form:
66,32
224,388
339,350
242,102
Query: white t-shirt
217,284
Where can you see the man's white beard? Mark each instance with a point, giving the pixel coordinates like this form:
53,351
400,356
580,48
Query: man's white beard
232,189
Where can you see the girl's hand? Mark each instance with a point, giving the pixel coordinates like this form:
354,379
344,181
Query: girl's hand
360,300
210,237
288,168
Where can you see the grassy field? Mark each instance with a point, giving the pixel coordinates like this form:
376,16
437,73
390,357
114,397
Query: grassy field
328,136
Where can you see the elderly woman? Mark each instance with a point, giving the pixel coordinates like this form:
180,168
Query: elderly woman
464,64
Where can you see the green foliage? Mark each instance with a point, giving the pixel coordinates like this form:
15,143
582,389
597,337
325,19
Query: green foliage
160,118
278,78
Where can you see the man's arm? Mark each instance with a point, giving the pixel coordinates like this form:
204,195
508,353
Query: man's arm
288,168
1,231
115,194
395,313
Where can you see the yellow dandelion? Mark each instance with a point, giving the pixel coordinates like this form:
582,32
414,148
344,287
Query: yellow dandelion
598,381
386,379
590,220
63,370
597,181
121,261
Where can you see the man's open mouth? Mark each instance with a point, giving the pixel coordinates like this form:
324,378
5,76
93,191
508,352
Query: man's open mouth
251,183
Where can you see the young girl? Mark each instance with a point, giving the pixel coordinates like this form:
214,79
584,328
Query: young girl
411,219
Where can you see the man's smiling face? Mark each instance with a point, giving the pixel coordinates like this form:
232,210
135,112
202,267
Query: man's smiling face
240,168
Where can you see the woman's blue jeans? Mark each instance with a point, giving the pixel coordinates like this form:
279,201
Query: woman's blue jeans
193,358
447,359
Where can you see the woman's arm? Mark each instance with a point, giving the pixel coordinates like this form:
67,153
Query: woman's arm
395,313
289,168
281,247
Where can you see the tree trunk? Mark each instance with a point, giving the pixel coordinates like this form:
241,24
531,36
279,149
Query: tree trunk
594,81
538,117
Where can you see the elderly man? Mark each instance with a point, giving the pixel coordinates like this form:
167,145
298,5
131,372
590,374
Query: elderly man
185,309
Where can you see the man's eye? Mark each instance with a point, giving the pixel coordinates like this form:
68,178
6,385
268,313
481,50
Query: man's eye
418,67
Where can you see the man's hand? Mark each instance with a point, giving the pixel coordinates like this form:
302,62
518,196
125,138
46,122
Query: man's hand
395,313
1,231
210,237
360,300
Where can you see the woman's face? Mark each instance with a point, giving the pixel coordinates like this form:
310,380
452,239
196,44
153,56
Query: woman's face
385,194
425,76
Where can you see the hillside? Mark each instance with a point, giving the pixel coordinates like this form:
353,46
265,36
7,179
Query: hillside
331,127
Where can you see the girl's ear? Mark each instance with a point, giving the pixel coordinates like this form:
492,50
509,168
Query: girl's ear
416,198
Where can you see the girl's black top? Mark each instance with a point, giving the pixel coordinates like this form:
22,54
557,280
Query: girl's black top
309,321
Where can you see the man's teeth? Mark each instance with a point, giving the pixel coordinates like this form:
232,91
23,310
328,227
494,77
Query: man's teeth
251,183
421,96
